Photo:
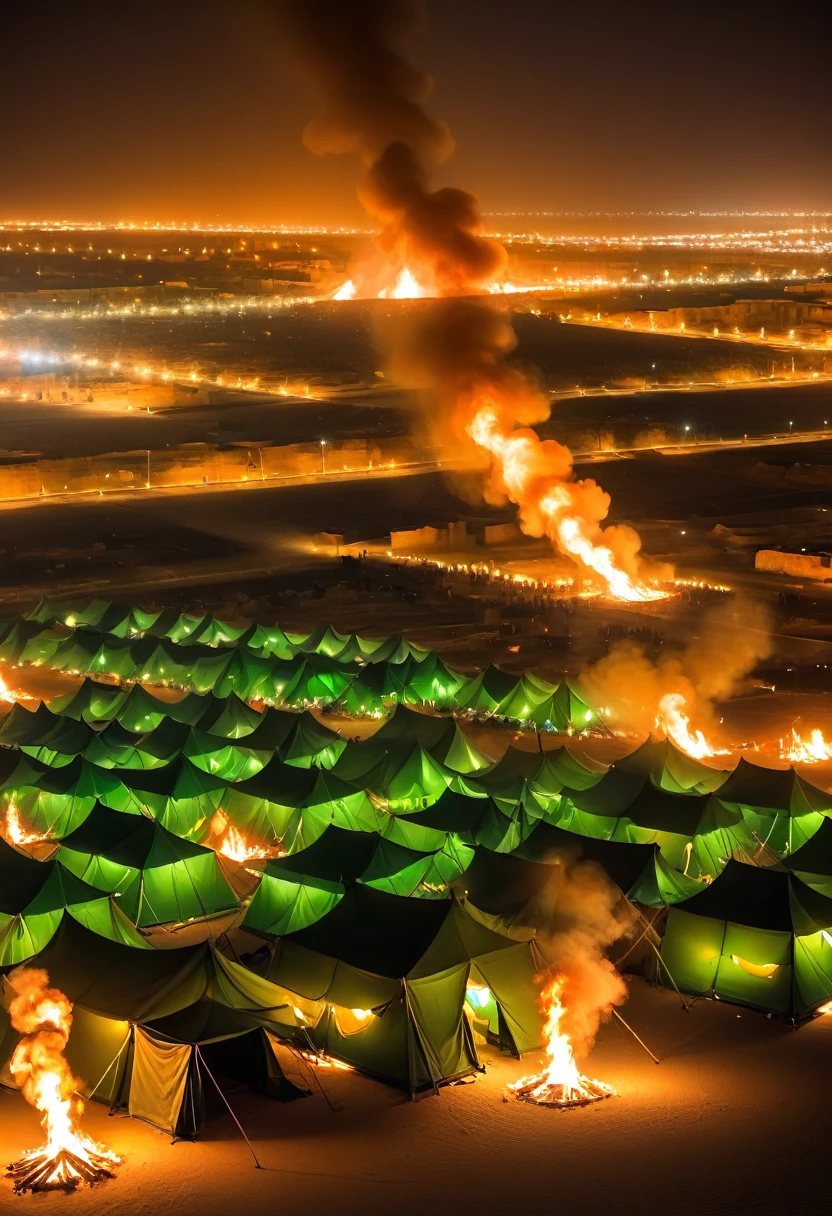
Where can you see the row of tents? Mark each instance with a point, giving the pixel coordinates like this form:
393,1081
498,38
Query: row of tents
387,985
366,684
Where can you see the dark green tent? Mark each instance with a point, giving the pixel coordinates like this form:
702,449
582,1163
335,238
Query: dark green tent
393,973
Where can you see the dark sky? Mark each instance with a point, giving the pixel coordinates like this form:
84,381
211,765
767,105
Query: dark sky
172,109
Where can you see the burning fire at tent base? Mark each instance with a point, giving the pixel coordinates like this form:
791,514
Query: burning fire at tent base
540,1092
40,1170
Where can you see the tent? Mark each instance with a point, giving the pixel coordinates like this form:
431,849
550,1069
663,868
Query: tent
297,739
781,809
757,937
118,748
445,741
54,801
401,772
180,795
92,702
393,973
156,877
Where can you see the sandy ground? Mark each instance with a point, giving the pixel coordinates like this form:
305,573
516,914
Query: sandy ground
730,1122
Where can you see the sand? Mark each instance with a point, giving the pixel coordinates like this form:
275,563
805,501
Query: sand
732,1121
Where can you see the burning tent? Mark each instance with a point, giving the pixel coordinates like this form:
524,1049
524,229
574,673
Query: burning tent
403,965
757,937
53,801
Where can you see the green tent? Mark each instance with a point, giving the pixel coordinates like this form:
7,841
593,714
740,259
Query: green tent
76,654
56,800
401,772
116,658
445,741
756,937
156,877
782,809
393,973
393,649
66,740
293,806
180,795
572,707
531,702
39,648
119,748
92,702
267,640
483,694
297,739
27,727
672,769
141,711
229,717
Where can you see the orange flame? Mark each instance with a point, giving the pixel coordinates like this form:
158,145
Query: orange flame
561,1083
43,1015
813,750
11,695
536,475
674,721
15,831
231,842
346,292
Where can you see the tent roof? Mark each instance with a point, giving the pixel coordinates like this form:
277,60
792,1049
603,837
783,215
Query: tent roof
762,899
815,856
337,855
621,861
777,789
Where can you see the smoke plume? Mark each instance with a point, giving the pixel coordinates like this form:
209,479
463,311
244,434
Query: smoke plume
733,637
455,352
579,914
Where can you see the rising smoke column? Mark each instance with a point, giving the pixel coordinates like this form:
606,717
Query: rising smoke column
456,353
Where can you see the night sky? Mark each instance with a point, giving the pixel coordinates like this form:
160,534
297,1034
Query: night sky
173,109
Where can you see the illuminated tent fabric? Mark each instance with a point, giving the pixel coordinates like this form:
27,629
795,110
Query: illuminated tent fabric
44,613
572,708
115,657
119,748
92,702
125,621
401,771
672,769
267,640
532,700
293,806
484,693
440,736
297,739
431,682
814,857
23,636
141,711
782,809
158,878
228,716
309,679
297,890
452,814
56,800
27,727
393,649
76,653
66,740
757,937
248,676
408,962
180,795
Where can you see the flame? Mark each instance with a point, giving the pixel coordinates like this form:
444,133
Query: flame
561,1083
406,287
347,291
536,475
43,1015
674,721
9,695
231,843
806,751
15,831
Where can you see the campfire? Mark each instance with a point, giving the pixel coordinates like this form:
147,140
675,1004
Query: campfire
230,842
560,1084
813,750
68,1159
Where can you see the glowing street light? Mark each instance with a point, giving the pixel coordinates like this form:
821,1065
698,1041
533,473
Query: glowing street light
323,455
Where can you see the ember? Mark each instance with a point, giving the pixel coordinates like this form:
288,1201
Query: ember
43,1015
560,1084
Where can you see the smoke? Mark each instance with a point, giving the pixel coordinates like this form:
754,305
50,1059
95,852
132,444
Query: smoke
579,914
456,351
733,637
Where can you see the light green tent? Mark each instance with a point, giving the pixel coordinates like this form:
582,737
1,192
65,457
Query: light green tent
156,877
180,795
56,800
755,937
92,702
118,748
404,964
401,772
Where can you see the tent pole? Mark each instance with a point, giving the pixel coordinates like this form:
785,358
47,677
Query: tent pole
201,1060
658,955
626,1025
109,1066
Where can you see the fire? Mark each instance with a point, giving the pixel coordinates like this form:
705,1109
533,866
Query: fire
15,831
806,751
43,1015
536,474
10,695
346,292
407,287
231,842
674,721
560,1084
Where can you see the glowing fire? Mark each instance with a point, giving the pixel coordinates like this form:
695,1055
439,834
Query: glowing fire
15,831
536,475
674,721
231,843
9,695
346,292
560,1084
43,1015
806,751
